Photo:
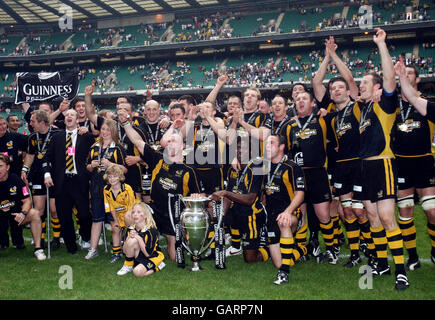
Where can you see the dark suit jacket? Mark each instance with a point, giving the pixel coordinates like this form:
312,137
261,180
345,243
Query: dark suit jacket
55,160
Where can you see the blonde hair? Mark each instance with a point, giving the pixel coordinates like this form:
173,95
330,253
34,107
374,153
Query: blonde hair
115,170
149,220
113,127
256,90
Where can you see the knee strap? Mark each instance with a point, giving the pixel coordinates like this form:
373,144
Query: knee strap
357,204
406,202
346,203
428,202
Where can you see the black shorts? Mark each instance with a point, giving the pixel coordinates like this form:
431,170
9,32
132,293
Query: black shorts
345,176
416,172
133,178
38,188
163,221
273,231
149,263
211,179
378,179
250,229
317,185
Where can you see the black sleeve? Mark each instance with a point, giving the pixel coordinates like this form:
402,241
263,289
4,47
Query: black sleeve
389,101
153,237
22,142
255,181
194,183
326,100
430,111
151,156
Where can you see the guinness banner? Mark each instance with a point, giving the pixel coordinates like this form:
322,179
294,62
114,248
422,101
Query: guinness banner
46,85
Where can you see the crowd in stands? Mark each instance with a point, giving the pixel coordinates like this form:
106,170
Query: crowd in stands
203,28
212,27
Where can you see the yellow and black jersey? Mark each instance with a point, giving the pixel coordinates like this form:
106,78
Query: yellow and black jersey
151,240
175,178
208,148
12,192
256,119
153,133
430,111
121,203
37,146
114,153
376,125
306,141
285,180
413,133
13,144
246,181
276,127
327,103
343,126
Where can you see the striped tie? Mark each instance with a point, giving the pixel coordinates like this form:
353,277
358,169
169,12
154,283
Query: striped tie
69,158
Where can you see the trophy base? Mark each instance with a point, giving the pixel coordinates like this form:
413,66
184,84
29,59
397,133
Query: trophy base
195,267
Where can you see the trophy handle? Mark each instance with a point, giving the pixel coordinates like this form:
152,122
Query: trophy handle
201,251
170,196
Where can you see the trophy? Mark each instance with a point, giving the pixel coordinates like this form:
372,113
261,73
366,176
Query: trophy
192,226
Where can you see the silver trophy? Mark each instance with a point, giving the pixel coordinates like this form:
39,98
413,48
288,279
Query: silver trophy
195,222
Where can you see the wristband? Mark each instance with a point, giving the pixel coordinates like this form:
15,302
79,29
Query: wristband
25,169
125,123
24,212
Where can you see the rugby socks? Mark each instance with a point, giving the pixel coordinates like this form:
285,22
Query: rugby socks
431,231
380,240
264,253
409,234
286,249
338,232
395,242
235,238
353,233
301,236
366,234
44,230
116,250
55,224
129,261
328,234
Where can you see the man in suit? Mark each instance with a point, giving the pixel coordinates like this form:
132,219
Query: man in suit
65,168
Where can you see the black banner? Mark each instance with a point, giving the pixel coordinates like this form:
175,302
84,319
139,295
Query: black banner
46,85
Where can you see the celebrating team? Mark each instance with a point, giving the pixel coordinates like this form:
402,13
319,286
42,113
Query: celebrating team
342,152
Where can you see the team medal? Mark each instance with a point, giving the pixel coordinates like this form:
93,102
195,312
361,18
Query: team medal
302,134
269,191
403,127
187,150
40,156
155,147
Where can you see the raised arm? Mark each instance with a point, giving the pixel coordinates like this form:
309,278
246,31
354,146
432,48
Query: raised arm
91,114
64,105
318,87
389,79
212,96
342,68
410,93
134,137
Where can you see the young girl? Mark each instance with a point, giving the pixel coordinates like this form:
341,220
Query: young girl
143,255
104,153
119,198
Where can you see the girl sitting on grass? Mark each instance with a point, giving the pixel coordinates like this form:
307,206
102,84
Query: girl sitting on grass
143,255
